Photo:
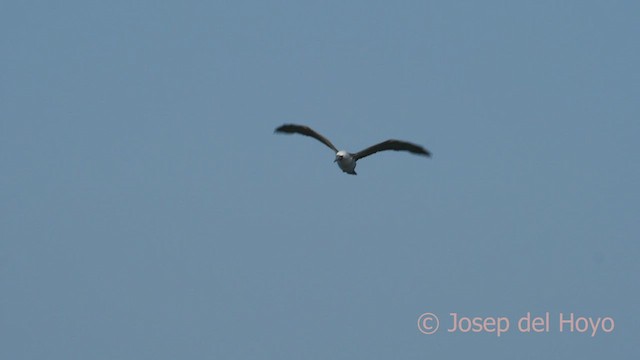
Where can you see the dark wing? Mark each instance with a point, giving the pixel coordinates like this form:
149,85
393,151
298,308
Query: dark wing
396,145
304,130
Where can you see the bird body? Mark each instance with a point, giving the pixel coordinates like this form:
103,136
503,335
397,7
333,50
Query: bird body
345,160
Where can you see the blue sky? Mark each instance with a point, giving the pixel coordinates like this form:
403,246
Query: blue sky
147,210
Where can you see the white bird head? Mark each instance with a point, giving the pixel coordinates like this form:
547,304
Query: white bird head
340,155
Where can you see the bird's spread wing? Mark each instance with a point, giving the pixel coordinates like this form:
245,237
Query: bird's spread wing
392,145
304,130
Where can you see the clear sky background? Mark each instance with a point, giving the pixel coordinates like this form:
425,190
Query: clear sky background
147,210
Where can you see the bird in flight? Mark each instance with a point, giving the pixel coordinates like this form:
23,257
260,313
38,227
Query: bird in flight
347,161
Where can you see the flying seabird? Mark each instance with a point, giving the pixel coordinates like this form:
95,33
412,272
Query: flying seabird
347,161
